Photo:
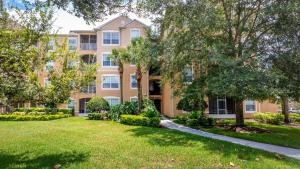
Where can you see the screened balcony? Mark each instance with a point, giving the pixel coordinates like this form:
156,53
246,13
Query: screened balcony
88,42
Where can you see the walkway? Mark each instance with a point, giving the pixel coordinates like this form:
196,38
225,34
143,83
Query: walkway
290,152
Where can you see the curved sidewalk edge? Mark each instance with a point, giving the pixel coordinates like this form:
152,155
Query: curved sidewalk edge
289,152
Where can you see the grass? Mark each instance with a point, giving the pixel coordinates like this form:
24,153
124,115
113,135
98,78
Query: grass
280,134
78,143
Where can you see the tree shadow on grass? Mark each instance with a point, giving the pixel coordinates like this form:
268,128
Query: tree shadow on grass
168,137
40,161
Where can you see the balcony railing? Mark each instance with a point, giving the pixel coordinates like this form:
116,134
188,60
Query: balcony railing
88,46
88,89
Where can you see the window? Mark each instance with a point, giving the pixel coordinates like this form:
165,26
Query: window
222,106
134,99
47,82
51,44
106,61
111,38
49,65
188,74
134,33
71,104
133,81
250,105
110,82
112,100
72,43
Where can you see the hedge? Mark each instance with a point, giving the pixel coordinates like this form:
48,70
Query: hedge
139,120
14,117
269,118
98,116
47,110
295,118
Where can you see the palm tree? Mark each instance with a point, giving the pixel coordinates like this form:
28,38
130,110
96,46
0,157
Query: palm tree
139,52
120,56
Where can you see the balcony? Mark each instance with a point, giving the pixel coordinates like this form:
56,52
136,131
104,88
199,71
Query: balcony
88,42
88,46
154,88
88,89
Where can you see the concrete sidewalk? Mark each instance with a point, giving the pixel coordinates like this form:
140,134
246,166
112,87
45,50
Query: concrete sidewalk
290,152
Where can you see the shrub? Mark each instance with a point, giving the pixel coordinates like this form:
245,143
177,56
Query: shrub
46,110
269,118
98,116
139,120
97,104
147,103
150,112
126,108
295,118
194,115
192,122
180,119
14,117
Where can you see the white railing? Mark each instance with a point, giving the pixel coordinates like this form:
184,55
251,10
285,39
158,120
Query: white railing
88,46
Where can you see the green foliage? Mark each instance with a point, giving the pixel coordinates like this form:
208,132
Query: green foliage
194,119
295,118
46,110
150,112
15,117
98,116
18,56
192,97
269,118
192,122
180,119
126,108
65,78
139,120
193,115
97,104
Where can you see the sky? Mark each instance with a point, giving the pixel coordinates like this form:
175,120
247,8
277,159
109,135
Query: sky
64,21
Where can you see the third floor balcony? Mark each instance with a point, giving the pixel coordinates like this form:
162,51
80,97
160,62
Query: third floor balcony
88,42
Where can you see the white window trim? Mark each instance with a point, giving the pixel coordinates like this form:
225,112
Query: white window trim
76,42
134,88
246,108
134,97
106,75
102,59
112,97
111,44
134,29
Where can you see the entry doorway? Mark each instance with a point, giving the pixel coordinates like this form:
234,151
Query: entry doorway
157,103
82,106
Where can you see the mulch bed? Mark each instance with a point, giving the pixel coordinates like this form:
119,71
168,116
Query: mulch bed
245,129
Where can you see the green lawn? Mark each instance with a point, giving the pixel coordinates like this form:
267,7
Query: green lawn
280,134
78,143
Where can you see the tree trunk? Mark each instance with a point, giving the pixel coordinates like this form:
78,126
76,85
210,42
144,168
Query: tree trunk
285,110
121,71
139,87
239,113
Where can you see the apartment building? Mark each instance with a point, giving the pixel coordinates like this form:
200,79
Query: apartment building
94,46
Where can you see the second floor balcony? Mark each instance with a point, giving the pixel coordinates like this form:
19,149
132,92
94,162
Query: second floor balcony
88,42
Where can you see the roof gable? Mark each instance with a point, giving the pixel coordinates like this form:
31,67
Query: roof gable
117,22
